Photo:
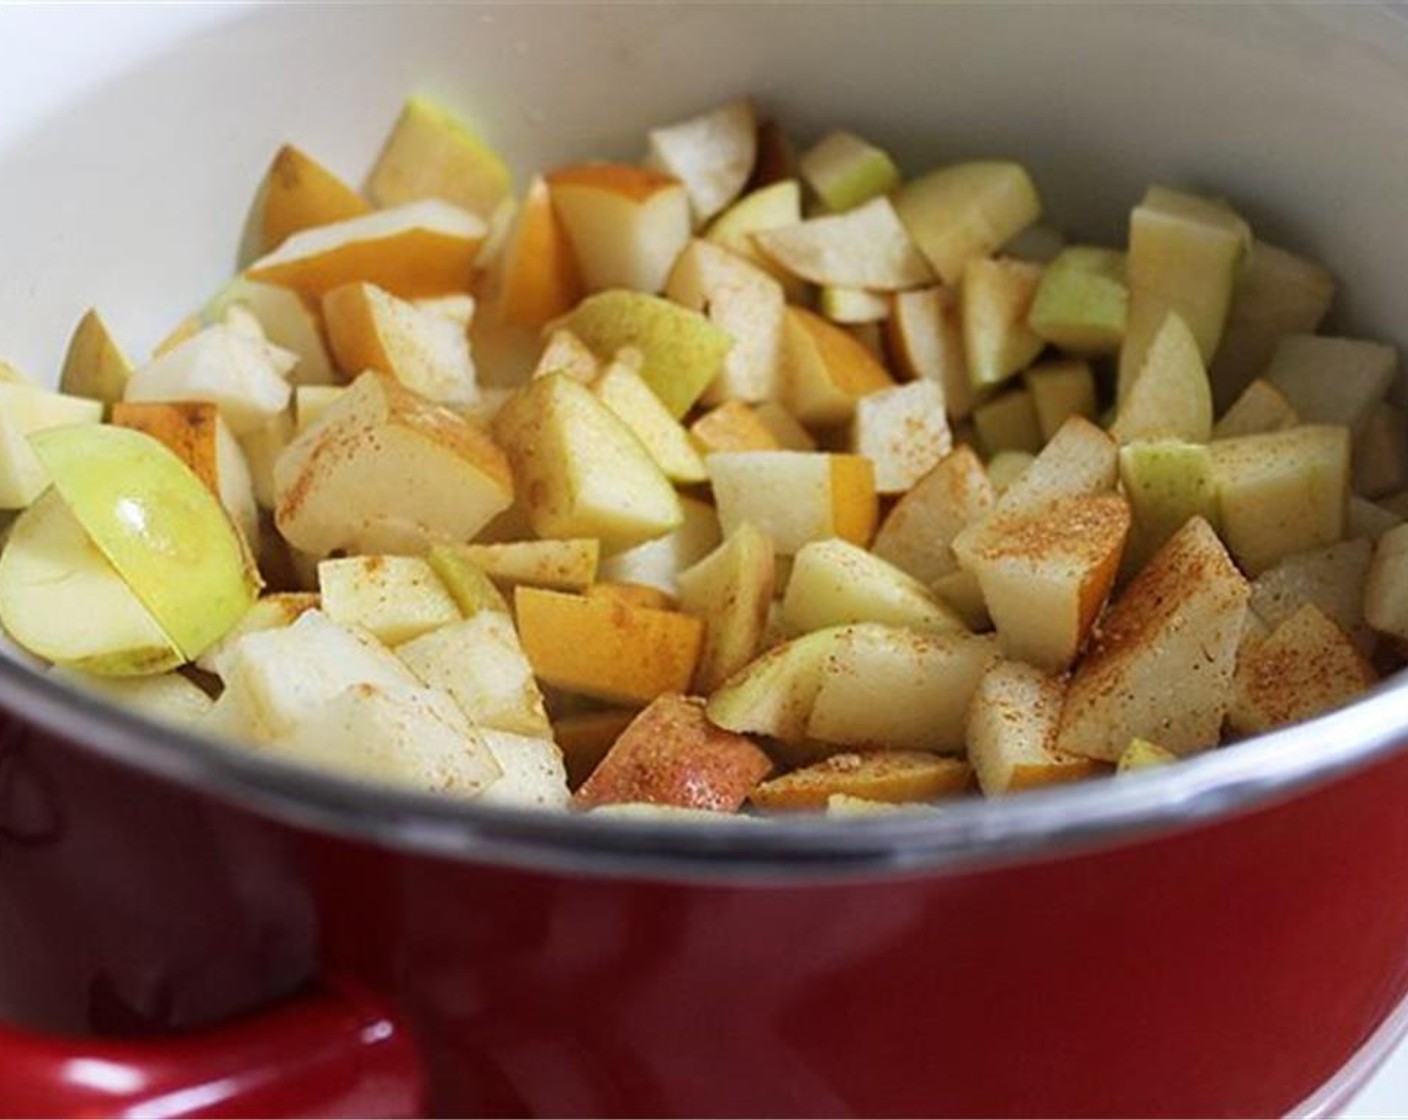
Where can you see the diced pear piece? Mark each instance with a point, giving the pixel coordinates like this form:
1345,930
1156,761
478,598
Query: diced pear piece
1332,578
867,247
994,298
532,773
825,371
1078,459
963,594
672,755
1008,422
964,212
1307,666
1277,294
269,612
297,193
834,583
1162,661
682,350
604,649
1386,588
712,154
388,471
25,409
916,534
425,248
1007,467
632,595
168,697
657,563
94,365
844,171
903,431
1261,408
369,328
432,154
1332,380
1281,492
536,279
1168,397
243,377
1166,483
1045,573
158,525
1143,755
774,694
1381,453
771,207
393,598
1061,389
480,663
733,426
621,388
286,319
562,565
926,680
581,471
1012,728
731,590
795,496
925,338
311,403
1082,302
626,224
1185,253
885,777
62,600
468,584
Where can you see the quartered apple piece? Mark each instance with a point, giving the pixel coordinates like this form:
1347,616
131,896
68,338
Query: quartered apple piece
1082,302
824,370
393,598
432,154
25,409
94,365
1168,396
1332,380
287,320
535,279
774,694
867,247
886,777
731,589
795,496
561,565
388,471
1166,483
903,431
1261,408
296,193
712,154
672,755
421,249
657,563
916,534
994,298
834,583
621,388
1161,664
607,650
845,171
626,224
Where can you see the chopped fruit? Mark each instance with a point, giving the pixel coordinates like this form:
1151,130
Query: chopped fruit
393,598
1166,482
733,426
867,247
94,367
1060,390
731,590
1012,729
915,536
711,154
964,212
1082,303
893,777
1008,422
1261,408
925,337
795,496
431,154
1168,396
825,370
770,207
993,299
1143,755
24,410
562,565
1332,380
1386,588
774,694
535,277
834,583
844,171
584,739
286,319
903,431
621,388
297,193
1332,578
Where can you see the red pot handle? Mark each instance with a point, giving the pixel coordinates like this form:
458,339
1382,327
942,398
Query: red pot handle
334,1052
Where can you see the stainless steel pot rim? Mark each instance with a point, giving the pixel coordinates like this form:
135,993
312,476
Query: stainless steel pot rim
971,833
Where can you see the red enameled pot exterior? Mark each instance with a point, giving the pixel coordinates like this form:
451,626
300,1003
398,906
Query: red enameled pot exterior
1224,970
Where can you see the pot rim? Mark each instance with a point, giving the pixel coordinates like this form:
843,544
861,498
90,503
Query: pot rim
968,834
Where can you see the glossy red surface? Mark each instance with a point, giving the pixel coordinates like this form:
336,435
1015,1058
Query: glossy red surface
1228,970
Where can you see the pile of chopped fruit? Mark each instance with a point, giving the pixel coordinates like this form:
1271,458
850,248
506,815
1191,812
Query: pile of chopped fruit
731,478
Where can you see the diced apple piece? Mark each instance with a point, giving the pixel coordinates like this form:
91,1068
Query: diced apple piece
1307,666
1143,755
1078,459
1045,573
771,207
1012,730
672,755
1006,468
311,403
1162,661
1281,492
421,249
1168,396
584,739
296,193
888,777
733,426
994,298
532,772
388,471
774,694
62,600
712,154
825,371
731,589
243,377
1386,588
94,366
25,409
915,536
393,598
1333,380
925,683
867,247
626,224
621,388
1082,302
845,171
481,664
581,471
962,213
795,496
269,612
562,565
656,563
903,431
925,338
1381,452
567,354
468,584
168,697
535,279
432,154
371,329
1277,294
604,649
286,319
1008,422
1261,408
1166,483
834,583
1332,578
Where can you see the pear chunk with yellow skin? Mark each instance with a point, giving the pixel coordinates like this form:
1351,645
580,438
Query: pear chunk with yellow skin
62,600
158,525
824,370
431,154
94,366
297,193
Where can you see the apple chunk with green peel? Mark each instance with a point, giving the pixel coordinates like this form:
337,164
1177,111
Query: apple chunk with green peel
834,582
388,471
1045,573
731,589
712,154
1168,397
1166,483
431,154
994,298
158,525
867,247
62,600
581,471
1161,664
795,496
845,171
1082,302
25,409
